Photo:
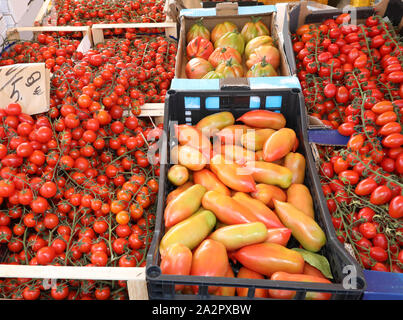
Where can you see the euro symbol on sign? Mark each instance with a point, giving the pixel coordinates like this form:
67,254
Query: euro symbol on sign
37,91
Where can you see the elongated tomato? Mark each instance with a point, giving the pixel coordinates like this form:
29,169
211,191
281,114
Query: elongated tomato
210,259
190,232
191,158
174,193
232,134
177,261
305,229
266,193
280,236
263,119
232,175
268,258
289,294
245,273
227,209
237,236
193,137
270,173
279,144
296,163
259,209
210,181
255,139
235,153
213,123
300,197
184,205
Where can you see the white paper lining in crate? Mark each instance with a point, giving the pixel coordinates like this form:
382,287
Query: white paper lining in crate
14,8
9,21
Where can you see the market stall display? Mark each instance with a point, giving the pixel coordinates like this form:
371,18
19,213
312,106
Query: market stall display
69,12
352,81
82,167
201,150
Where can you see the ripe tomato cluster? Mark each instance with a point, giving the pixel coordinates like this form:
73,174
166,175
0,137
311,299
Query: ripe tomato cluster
84,12
54,49
78,185
352,81
336,57
33,289
118,74
363,187
79,196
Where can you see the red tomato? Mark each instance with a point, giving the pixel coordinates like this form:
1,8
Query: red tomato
366,187
199,47
368,230
381,195
378,253
396,207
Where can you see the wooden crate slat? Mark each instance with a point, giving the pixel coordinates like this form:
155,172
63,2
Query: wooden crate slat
71,272
43,11
135,277
14,33
98,34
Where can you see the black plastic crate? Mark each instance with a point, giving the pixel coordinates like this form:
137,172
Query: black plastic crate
290,103
394,12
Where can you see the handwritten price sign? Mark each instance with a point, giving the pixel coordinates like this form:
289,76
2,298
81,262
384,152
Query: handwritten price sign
27,84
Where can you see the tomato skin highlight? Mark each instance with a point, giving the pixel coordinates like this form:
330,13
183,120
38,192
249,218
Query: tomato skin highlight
267,258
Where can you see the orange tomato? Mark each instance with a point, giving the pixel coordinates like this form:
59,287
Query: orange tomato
227,209
210,181
268,258
245,273
122,217
232,175
289,294
266,193
279,144
210,259
177,260
280,236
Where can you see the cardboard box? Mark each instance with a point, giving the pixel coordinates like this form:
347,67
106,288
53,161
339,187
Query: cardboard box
304,12
239,16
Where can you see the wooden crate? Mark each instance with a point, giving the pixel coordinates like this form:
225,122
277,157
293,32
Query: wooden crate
148,109
28,33
48,5
43,12
136,281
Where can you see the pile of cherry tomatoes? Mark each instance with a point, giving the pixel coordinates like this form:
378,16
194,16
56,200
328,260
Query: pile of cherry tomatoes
352,80
78,184
83,12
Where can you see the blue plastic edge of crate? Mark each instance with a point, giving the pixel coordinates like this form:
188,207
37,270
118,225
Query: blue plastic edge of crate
286,82
195,84
255,83
383,285
327,137
209,12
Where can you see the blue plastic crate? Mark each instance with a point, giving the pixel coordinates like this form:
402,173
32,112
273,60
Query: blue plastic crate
383,285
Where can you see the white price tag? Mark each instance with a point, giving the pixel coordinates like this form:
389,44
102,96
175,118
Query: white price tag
27,84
